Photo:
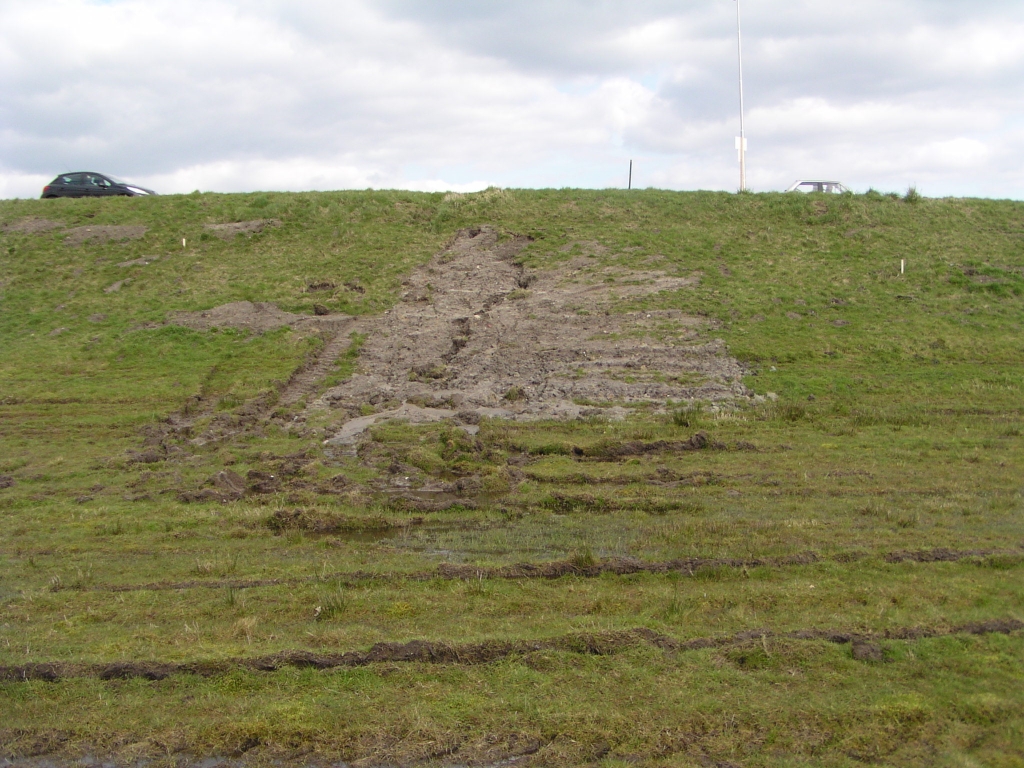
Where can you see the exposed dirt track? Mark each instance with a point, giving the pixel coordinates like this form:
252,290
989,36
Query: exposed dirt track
476,330
104,234
422,651
304,381
556,569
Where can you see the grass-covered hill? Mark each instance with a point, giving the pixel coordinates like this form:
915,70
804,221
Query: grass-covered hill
824,571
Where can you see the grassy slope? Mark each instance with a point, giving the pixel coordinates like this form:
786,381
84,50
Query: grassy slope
900,429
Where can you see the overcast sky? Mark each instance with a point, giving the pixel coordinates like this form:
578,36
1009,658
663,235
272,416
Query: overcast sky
238,95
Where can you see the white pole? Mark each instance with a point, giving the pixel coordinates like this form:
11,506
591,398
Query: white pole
743,141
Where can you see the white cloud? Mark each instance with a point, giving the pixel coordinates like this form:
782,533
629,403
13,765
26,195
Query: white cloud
263,94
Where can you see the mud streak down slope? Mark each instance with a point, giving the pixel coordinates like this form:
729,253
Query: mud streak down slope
475,329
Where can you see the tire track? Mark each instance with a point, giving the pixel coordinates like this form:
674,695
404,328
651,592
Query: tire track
439,652
304,380
561,568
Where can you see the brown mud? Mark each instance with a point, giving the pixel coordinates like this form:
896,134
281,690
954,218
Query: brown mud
304,381
477,335
434,652
477,331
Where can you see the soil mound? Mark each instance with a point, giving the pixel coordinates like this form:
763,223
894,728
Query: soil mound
229,230
104,234
258,317
32,226
474,329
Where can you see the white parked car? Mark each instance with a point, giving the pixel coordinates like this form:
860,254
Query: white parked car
815,185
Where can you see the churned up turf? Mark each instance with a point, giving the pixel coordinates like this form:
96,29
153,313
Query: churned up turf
526,478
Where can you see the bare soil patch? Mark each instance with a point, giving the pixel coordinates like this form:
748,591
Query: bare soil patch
32,226
229,230
104,234
258,317
476,330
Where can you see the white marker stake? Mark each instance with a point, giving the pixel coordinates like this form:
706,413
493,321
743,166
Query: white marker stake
183,242
903,264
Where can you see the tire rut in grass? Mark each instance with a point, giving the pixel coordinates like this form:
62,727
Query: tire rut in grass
304,381
562,568
439,652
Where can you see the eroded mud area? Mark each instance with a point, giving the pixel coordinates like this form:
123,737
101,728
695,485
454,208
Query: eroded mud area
475,330
475,335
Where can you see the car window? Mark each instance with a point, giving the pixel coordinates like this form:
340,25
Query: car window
74,178
98,181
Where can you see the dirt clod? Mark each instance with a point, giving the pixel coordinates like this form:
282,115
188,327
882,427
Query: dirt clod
319,286
146,457
126,670
6,481
865,651
229,482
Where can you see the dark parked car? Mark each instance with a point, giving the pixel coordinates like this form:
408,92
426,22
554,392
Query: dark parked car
88,184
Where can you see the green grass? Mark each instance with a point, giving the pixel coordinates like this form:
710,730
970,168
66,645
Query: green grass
889,419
